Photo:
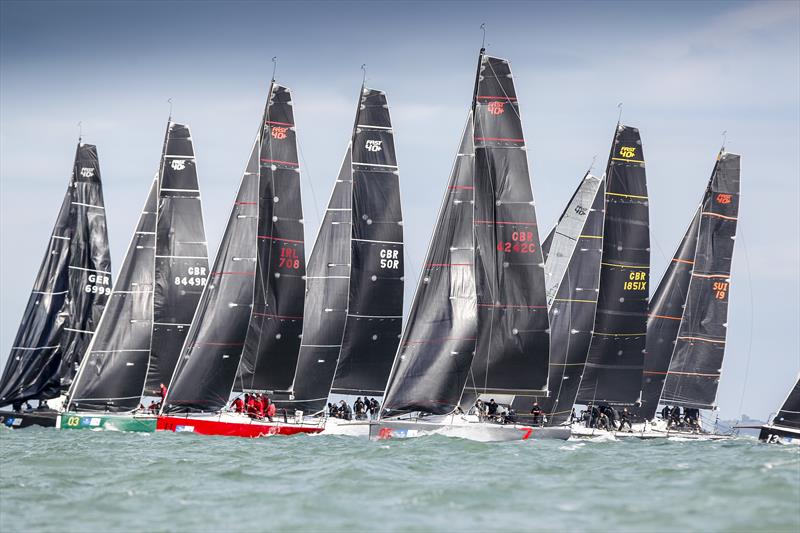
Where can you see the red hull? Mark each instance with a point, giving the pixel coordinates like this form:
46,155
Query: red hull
206,426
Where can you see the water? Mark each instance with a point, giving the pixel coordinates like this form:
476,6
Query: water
105,481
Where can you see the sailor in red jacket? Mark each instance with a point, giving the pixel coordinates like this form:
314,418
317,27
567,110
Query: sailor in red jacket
270,409
238,405
163,393
250,404
261,404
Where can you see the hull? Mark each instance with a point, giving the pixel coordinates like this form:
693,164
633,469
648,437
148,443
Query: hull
779,435
652,430
233,425
350,428
42,418
133,423
459,427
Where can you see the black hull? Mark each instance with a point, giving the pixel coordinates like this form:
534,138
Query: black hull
15,420
775,434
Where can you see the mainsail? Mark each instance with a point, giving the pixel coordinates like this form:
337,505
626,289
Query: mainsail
613,372
696,362
572,276
69,293
479,316
156,293
215,345
354,301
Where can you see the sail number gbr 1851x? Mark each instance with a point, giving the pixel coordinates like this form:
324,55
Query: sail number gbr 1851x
521,242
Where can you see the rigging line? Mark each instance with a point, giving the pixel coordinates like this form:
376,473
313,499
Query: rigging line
364,75
274,67
619,116
483,40
750,340
169,101
724,140
80,131
310,181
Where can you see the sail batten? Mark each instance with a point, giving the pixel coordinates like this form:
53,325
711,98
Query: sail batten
69,293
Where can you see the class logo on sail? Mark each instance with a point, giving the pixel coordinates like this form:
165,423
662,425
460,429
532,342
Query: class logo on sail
723,198
373,145
279,132
87,172
178,164
496,108
627,151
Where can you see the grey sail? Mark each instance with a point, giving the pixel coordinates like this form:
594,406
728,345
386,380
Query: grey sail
114,368
273,335
181,261
354,298
438,340
512,350
696,365
69,293
572,274
613,372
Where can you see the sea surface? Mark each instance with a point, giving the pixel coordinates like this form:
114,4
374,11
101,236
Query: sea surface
66,481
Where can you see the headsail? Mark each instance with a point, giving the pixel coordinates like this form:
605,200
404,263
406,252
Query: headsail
69,293
354,300
273,336
789,413
113,370
181,260
572,274
211,355
438,341
613,372
696,364
512,350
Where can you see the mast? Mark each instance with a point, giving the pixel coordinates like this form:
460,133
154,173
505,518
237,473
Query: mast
696,364
215,345
513,341
354,299
613,372
572,274
181,258
69,292
273,336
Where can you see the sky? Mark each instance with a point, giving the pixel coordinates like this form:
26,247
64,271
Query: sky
684,71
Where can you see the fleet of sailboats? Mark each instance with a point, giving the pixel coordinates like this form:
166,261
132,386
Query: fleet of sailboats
506,337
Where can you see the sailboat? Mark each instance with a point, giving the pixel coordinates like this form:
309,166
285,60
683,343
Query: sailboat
687,325
68,296
246,331
573,251
147,317
478,322
785,426
613,368
354,296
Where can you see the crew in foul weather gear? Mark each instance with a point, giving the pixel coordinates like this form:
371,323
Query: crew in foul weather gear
271,410
163,393
238,405
491,408
624,418
536,411
665,412
360,409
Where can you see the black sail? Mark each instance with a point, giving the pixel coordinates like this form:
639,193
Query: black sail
354,298
213,347
696,364
789,413
512,351
438,340
273,337
572,274
181,261
69,293
113,371
613,371
666,310
375,301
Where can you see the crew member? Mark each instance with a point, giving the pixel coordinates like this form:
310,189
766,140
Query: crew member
537,412
163,392
625,418
491,408
270,409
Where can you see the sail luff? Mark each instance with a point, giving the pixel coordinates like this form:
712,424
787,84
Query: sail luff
69,293
696,365
613,371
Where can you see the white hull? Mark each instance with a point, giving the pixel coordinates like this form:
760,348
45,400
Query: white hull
655,429
464,427
350,428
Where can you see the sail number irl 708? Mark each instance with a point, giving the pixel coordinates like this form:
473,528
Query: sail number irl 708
637,281
288,258
521,242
